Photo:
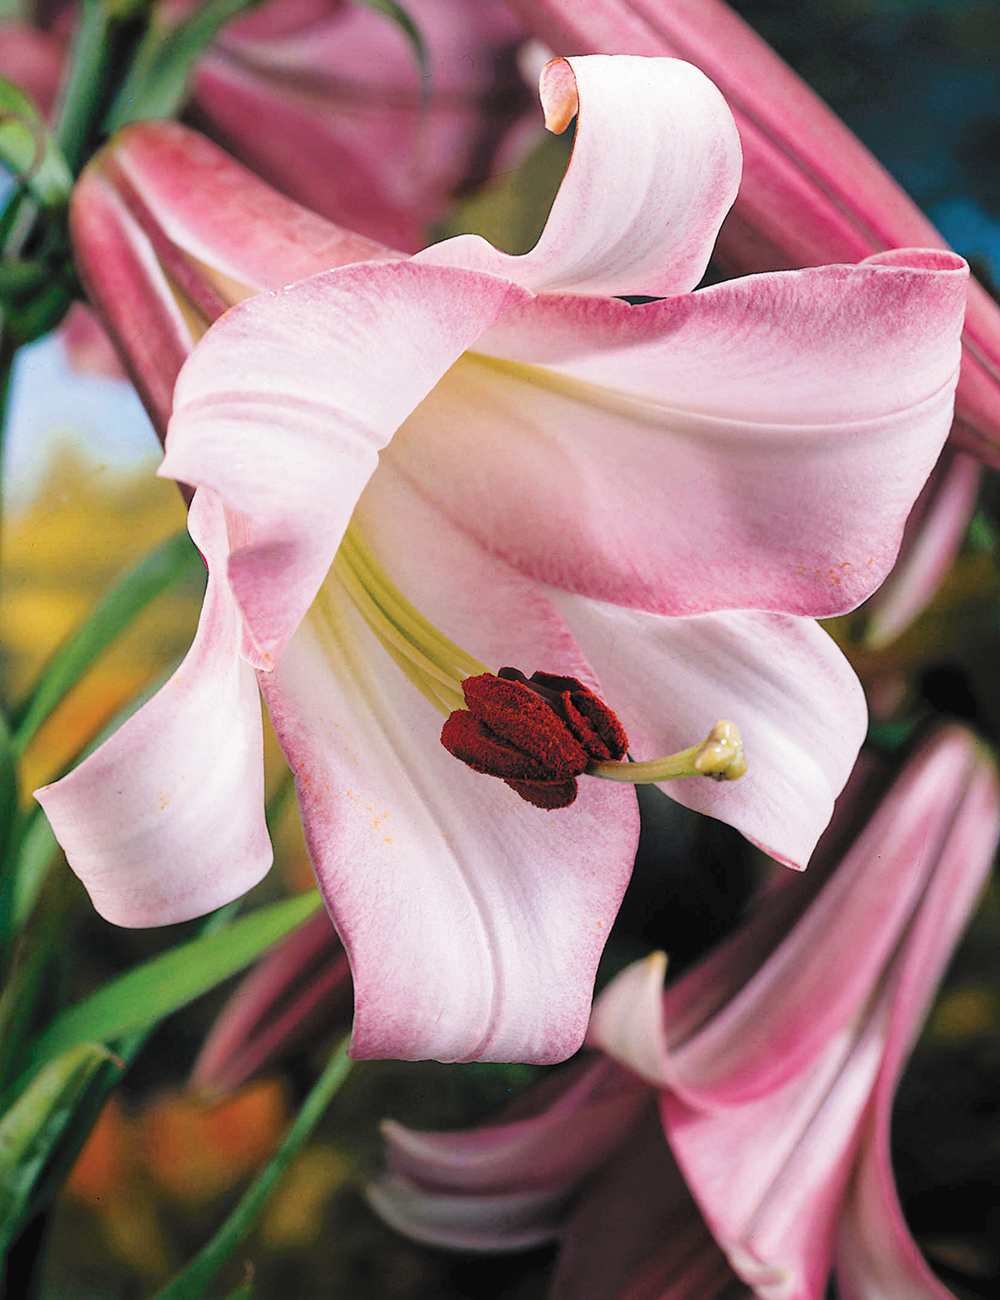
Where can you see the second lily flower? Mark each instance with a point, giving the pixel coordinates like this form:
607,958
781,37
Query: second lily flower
407,469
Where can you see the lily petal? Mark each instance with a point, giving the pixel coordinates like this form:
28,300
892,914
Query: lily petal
811,192
166,820
218,213
504,1221
554,1147
645,192
798,705
169,231
288,400
416,853
784,423
439,1182
301,988
876,1253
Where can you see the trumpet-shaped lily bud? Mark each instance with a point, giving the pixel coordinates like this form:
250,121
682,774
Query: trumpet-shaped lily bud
811,192
771,1068
169,232
411,471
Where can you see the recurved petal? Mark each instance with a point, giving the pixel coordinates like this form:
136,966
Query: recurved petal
782,681
504,1221
473,921
811,192
655,168
576,1121
588,1111
284,406
756,445
165,821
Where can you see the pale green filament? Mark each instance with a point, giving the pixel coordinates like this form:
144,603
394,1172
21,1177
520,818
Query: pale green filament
436,666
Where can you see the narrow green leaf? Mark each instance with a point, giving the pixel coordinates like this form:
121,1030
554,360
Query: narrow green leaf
29,151
89,1107
194,1280
37,852
34,1124
157,83
168,982
8,818
8,779
410,30
176,558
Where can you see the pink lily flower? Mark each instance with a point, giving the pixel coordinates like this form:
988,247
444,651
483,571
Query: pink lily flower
774,1062
811,192
407,471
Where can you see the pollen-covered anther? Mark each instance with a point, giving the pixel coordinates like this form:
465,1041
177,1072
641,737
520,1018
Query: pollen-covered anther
537,734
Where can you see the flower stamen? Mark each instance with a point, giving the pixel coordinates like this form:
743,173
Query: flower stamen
434,665
536,734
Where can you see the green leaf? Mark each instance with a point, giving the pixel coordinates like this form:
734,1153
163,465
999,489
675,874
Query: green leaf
29,151
170,981
34,1124
157,83
409,28
36,854
8,780
176,558
193,1281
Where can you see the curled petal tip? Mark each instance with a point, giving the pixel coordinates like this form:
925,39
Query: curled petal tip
559,95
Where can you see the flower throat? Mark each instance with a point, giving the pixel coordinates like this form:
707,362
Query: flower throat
536,734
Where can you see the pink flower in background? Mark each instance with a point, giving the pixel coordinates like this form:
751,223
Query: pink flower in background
654,499
330,110
324,99
811,192
773,1061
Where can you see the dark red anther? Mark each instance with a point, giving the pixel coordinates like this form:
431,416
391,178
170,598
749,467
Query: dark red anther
537,734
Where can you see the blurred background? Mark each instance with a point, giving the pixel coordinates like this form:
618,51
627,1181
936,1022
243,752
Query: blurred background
919,81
